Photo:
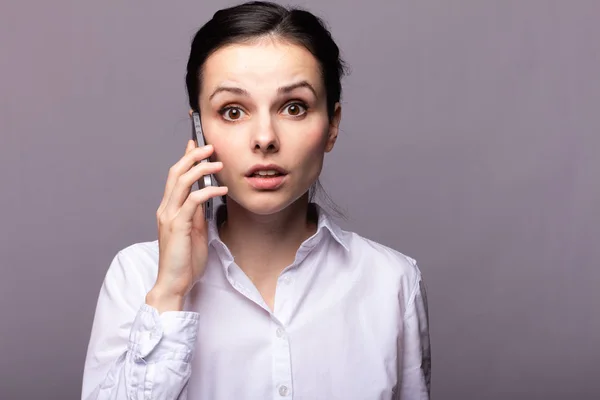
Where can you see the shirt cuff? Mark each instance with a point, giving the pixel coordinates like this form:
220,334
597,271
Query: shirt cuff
168,336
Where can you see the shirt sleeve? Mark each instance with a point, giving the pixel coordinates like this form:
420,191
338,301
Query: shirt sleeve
416,353
133,352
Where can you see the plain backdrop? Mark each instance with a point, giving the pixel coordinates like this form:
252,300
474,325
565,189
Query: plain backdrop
470,141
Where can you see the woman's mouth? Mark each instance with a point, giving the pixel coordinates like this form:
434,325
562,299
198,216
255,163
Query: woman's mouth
266,179
268,173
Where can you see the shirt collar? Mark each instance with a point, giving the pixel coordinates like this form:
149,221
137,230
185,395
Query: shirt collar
324,222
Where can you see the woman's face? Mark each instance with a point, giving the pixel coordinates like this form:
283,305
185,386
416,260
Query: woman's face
264,105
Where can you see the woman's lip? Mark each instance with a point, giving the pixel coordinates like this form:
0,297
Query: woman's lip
266,167
267,182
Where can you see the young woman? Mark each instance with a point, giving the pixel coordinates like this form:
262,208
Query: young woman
271,300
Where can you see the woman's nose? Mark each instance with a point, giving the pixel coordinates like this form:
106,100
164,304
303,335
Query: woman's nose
265,138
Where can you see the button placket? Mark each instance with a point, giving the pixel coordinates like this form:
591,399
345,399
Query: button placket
283,297
282,366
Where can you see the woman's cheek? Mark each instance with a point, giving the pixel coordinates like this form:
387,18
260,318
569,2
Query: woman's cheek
224,176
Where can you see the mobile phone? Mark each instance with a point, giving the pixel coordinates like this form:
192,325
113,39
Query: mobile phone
206,180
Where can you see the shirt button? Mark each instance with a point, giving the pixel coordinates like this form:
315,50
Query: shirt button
283,390
285,279
280,333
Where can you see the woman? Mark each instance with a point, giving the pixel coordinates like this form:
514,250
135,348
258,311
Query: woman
273,299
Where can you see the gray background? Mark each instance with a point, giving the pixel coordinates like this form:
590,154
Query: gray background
469,141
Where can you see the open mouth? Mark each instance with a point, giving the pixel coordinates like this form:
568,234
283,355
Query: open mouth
266,174
267,179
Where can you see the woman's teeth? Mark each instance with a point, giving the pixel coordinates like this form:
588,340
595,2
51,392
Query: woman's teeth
266,173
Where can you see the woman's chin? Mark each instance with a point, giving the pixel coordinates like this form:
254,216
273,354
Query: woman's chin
267,203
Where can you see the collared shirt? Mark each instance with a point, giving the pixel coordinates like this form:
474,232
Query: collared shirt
349,322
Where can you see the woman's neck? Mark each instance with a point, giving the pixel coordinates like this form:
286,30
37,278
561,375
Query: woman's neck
263,245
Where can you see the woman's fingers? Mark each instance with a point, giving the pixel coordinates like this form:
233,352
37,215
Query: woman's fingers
192,155
184,183
196,199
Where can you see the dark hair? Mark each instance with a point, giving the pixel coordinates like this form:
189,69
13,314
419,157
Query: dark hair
255,19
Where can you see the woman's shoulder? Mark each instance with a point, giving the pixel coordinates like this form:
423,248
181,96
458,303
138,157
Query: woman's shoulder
141,250
381,269
136,262
381,258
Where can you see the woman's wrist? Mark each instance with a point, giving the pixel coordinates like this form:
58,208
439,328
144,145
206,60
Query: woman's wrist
164,301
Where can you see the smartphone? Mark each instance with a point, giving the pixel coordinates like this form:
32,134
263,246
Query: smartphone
206,180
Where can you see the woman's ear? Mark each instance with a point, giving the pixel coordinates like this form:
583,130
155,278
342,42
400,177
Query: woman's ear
191,111
334,127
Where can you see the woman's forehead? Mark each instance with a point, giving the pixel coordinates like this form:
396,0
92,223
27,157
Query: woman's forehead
264,63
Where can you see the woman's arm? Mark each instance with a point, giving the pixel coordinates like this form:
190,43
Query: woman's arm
415,371
135,353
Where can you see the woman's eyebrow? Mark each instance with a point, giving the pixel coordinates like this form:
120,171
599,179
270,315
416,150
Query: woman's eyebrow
301,84
235,90
281,90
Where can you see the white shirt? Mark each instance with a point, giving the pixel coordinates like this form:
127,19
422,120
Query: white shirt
349,322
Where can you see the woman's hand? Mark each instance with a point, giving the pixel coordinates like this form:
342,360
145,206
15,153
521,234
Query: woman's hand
182,230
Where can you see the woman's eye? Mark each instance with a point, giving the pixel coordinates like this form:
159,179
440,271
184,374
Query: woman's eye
232,113
295,109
